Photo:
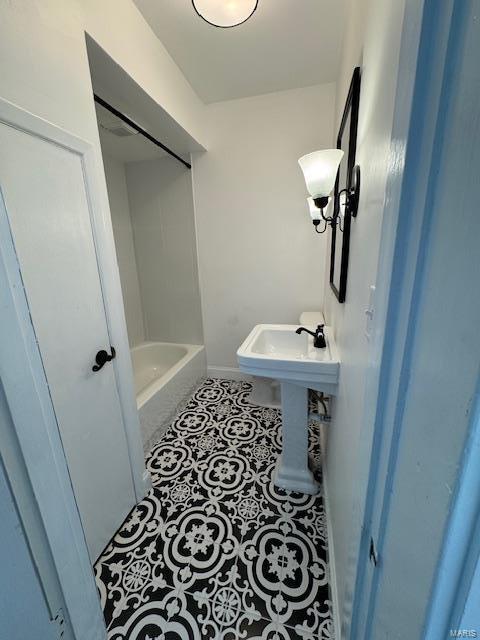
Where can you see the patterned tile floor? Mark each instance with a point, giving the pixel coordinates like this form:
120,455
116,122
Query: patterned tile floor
215,550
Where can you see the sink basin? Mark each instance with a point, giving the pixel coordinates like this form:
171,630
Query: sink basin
276,351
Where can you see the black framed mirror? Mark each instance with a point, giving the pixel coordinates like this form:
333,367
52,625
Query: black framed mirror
340,235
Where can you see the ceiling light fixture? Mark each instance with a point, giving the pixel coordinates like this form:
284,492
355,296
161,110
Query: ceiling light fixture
225,13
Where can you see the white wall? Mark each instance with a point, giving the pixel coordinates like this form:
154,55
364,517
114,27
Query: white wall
53,68
124,247
161,204
120,29
259,258
373,42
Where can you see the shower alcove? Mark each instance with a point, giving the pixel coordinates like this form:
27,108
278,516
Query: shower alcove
151,204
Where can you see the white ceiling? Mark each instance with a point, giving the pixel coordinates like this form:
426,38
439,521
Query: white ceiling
286,44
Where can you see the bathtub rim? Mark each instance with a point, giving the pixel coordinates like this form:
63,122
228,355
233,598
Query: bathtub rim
146,394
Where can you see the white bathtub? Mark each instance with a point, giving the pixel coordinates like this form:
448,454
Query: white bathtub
164,374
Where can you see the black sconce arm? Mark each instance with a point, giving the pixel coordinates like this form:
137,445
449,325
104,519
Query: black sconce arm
352,195
316,224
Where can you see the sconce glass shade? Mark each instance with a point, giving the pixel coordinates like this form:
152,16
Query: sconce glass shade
320,171
225,13
313,209
342,204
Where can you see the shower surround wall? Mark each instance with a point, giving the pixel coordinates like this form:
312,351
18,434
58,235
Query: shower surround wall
124,246
161,203
151,204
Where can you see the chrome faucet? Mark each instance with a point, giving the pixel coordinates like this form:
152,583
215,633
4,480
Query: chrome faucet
318,336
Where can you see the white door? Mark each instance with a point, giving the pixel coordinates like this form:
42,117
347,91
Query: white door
47,204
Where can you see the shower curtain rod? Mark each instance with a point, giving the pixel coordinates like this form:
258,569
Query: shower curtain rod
135,126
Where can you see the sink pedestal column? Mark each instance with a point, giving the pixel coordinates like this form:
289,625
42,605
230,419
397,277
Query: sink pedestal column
292,472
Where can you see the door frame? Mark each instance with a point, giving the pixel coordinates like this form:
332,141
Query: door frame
457,569
429,33
27,394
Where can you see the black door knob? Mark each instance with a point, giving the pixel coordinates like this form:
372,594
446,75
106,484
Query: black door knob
102,357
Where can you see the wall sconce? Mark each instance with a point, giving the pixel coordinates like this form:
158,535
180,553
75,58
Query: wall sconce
225,15
320,170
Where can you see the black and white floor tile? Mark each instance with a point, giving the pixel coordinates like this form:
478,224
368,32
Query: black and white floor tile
216,551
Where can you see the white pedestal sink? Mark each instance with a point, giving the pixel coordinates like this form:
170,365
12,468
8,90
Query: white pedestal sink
276,351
